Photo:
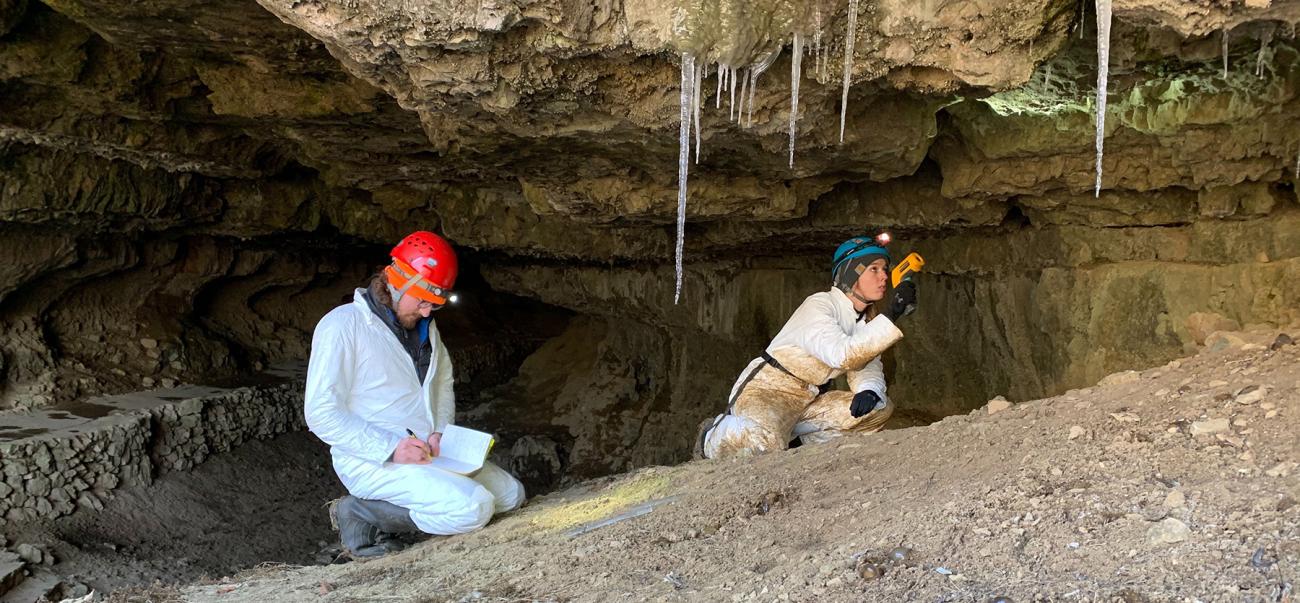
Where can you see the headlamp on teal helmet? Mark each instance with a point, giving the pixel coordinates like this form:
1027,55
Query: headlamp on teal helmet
854,255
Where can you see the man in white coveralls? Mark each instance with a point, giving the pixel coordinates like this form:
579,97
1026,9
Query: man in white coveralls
379,372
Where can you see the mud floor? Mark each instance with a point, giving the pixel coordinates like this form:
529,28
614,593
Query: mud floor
260,503
1174,483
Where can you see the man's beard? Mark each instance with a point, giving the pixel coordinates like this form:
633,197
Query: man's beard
409,322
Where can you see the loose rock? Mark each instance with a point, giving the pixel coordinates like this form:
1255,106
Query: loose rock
1175,499
998,405
1201,324
1281,469
1209,426
1168,531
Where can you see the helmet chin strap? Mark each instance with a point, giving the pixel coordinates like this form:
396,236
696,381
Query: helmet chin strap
854,295
395,293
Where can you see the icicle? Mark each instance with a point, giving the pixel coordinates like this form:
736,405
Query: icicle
796,74
753,83
1264,39
717,96
744,86
1103,68
695,106
817,41
848,62
683,160
1223,35
1083,7
731,81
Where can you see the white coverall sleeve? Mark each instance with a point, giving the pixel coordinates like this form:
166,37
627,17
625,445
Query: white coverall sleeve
825,340
444,410
330,372
871,377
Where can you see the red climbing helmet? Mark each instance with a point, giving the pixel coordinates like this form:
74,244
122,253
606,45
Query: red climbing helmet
424,265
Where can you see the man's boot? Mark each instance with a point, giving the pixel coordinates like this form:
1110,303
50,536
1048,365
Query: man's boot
361,523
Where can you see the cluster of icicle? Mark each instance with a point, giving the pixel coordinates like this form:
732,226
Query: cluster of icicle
692,78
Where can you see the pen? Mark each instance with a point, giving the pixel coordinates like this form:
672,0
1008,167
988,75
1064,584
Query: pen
429,454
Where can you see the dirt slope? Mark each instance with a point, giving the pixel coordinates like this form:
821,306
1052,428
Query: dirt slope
1169,484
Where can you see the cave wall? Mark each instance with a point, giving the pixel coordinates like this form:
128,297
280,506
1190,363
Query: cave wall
185,187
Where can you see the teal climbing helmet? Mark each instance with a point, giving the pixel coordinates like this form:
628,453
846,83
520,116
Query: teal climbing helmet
854,255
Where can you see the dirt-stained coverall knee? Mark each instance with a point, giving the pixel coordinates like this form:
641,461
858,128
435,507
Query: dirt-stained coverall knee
823,339
363,393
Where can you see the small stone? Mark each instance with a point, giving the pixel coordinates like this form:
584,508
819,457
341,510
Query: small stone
168,383
1252,347
1251,395
1267,405
1216,383
147,382
1175,499
1270,414
900,554
148,343
1281,469
998,405
1282,340
1173,364
1125,417
1120,378
1075,432
1161,392
1220,341
1200,325
1168,531
1209,426
29,553
870,571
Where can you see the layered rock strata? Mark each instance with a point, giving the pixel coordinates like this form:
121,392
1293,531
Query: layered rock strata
186,187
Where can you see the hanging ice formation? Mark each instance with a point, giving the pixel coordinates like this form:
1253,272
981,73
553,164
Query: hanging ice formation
1083,6
796,73
848,62
683,160
717,96
817,40
1223,35
1264,39
731,82
1103,67
695,106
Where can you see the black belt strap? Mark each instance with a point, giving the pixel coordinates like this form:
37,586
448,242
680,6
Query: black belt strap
773,361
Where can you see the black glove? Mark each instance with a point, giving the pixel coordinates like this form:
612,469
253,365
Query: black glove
902,301
864,402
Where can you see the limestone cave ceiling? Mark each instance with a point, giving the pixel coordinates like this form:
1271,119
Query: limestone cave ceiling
549,129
